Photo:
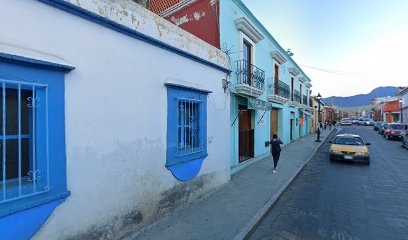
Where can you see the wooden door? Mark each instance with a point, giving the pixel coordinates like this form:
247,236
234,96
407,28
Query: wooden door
246,135
274,121
291,129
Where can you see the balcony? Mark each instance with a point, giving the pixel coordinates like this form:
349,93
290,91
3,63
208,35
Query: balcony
304,102
278,91
296,99
250,79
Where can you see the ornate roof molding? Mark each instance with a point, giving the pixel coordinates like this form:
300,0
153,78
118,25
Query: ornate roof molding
294,71
246,27
278,57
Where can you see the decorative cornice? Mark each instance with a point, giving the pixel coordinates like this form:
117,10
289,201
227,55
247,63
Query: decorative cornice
294,71
278,57
246,27
308,85
302,79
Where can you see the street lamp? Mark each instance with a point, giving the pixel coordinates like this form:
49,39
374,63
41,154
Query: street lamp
401,101
318,97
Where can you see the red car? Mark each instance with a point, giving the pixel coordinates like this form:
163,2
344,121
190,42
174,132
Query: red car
394,130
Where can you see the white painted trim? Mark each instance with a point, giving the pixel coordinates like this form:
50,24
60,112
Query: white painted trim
279,58
16,50
245,26
185,83
242,37
294,71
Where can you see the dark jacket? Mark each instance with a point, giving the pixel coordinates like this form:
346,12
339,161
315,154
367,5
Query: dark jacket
275,145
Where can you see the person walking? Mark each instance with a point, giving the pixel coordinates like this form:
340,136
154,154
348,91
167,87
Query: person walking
275,150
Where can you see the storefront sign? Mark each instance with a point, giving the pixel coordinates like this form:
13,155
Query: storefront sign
259,104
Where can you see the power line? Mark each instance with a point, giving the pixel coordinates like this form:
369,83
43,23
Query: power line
332,71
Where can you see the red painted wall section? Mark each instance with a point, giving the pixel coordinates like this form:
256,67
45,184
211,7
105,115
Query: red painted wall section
391,106
200,19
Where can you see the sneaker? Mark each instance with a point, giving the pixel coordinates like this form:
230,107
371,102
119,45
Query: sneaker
274,171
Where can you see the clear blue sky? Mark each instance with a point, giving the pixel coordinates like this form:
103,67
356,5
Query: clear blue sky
346,47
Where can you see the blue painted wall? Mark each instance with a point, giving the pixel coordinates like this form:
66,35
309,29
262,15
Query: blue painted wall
230,11
21,218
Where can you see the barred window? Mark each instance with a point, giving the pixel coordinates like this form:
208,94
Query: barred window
186,125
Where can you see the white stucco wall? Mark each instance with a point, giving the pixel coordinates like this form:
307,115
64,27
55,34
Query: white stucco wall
116,115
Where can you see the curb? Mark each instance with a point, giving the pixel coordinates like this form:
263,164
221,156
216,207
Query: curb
248,229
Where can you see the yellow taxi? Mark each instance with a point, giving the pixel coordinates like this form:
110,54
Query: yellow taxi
349,147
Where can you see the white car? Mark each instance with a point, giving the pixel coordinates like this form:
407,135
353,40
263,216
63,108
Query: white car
346,122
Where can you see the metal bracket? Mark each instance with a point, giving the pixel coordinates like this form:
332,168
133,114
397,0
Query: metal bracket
239,111
261,117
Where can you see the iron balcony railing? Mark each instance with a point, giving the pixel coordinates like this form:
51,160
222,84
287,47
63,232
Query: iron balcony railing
250,74
304,100
279,88
297,96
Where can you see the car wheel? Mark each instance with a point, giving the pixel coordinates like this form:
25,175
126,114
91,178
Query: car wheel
367,162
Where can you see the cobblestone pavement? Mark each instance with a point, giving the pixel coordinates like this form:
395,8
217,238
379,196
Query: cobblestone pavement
345,201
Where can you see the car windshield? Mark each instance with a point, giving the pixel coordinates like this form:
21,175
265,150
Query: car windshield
348,141
398,127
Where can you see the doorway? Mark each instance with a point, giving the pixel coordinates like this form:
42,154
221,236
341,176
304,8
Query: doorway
274,122
291,129
246,134
292,123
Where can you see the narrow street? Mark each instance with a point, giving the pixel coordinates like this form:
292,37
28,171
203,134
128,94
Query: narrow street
345,201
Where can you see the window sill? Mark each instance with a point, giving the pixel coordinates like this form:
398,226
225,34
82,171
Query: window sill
187,170
23,204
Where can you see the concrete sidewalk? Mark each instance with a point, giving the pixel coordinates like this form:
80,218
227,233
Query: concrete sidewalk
233,210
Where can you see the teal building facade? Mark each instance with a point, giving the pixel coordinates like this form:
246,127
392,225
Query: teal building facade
270,94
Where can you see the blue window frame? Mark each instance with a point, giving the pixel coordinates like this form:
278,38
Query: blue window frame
187,124
32,134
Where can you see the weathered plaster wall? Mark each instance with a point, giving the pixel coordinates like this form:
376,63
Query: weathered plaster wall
201,19
116,111
142,20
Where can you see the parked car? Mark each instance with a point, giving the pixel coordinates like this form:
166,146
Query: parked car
349,147
404,139
377,125
394,130
360,121
382,128
368,122
345,122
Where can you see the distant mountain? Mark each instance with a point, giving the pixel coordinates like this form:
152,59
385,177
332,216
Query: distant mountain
361,99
